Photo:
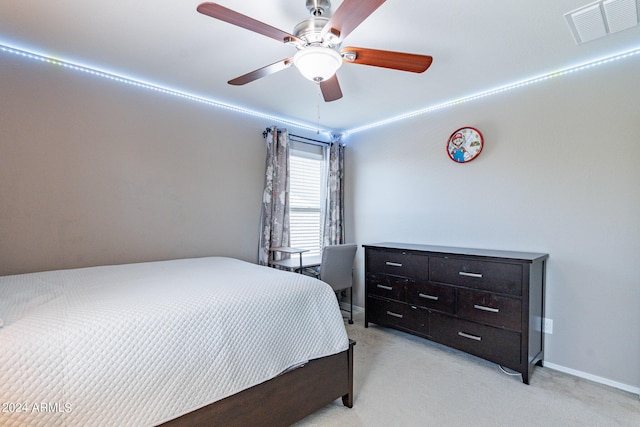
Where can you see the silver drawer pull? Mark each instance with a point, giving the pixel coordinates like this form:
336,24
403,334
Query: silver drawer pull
483,308
471,337
431,297
464,273
386,288
391,313
393,264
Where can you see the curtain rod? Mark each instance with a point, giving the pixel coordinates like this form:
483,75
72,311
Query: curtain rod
268,130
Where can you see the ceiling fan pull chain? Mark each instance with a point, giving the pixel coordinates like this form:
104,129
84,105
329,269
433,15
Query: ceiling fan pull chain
318,109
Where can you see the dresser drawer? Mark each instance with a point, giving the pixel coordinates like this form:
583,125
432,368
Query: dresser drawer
398,315
494,344
387,286
501,311
387,313
487,275
435,297
398,263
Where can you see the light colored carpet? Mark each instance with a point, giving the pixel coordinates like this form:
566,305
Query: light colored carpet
401,380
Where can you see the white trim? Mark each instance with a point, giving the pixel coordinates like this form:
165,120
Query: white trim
594,378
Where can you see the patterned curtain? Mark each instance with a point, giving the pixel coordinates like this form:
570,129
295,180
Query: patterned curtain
333,233
274,223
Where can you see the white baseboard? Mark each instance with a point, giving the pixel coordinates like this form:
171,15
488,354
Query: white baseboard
594,378
624,387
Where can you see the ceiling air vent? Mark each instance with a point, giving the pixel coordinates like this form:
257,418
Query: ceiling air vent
603,17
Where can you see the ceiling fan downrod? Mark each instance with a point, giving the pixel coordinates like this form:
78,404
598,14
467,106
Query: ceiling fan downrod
318,7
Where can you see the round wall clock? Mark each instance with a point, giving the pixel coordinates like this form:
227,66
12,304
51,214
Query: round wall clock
464,145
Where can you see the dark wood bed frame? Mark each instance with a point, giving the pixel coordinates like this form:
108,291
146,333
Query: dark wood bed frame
282,400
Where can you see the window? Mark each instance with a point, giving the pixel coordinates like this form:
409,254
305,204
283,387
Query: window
307,172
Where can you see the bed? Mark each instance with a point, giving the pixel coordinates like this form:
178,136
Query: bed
200,341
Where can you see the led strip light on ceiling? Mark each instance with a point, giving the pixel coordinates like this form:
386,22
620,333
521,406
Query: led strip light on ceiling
137,83
299,125
500,89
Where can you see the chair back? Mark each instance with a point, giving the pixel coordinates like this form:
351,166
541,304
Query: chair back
337,265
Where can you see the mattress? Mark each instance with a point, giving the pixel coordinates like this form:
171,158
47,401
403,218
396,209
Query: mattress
140,344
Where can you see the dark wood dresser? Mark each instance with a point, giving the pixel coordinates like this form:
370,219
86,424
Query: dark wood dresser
487,303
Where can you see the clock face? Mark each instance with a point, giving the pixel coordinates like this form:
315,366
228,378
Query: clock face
464,145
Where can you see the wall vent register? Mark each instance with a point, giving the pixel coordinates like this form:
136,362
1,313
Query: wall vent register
484,302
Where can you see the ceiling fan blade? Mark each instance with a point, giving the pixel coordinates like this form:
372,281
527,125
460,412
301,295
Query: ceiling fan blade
349,15
214,10
262,72
331,89
387,59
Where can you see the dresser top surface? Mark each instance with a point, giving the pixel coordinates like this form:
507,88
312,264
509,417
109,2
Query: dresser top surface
493,253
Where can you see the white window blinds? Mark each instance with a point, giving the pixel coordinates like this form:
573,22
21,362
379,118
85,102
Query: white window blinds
307,168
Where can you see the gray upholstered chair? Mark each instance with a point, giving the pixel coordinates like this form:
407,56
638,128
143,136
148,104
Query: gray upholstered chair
336,269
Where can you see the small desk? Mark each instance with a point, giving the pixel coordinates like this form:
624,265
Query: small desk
290,263
294,264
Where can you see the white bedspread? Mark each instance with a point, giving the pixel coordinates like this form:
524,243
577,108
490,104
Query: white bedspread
139,344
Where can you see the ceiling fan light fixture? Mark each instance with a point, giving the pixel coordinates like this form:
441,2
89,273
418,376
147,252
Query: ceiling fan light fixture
317,63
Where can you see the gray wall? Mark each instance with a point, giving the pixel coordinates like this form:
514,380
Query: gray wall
559,174
95,172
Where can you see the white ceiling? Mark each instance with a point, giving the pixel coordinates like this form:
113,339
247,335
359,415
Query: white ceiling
476,46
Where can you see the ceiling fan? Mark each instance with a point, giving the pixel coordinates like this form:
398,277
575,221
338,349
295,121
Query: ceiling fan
318,40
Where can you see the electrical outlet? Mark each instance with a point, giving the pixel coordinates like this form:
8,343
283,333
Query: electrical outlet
547,326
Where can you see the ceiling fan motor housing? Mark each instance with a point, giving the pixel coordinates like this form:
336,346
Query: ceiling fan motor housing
310,31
